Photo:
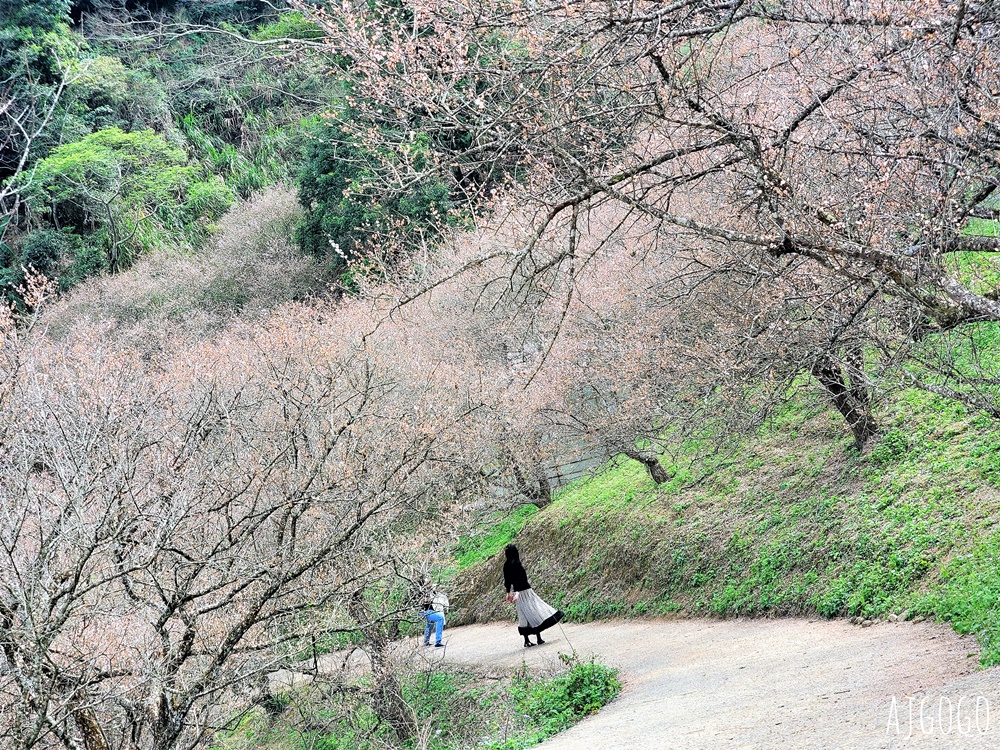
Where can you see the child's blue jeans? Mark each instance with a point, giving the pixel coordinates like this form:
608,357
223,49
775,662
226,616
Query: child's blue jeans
435,619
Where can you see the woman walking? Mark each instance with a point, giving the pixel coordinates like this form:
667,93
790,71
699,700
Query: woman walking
533,614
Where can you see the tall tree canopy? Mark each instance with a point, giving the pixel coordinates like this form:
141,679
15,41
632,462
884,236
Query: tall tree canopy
852,142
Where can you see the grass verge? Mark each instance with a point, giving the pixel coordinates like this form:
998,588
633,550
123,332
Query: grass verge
453,709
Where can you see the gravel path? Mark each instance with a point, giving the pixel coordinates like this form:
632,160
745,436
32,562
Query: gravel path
766,684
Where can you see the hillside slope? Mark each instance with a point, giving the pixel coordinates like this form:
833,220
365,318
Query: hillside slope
248,267
796,522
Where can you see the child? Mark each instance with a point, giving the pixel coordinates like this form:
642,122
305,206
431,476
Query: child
435,619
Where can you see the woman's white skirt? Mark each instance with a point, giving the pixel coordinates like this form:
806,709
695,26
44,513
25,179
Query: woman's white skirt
533,614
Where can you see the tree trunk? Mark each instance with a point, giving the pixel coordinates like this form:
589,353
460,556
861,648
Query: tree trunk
855,412
538,489
652,463
388,702
854,359
90,728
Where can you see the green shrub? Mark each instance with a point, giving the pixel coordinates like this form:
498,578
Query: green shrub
43,250
111,183
457,709
559,703
207,200
350,214
292,25
61,255
893,445
125,192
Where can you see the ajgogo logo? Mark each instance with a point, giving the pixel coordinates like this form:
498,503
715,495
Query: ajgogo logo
965,715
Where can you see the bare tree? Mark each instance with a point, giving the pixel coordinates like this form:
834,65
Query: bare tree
859,139
173,529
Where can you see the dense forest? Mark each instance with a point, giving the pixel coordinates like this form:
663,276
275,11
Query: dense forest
309,308
132,126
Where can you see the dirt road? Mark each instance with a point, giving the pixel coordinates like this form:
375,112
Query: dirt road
793,684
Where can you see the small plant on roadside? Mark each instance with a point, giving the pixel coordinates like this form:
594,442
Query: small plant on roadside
553,705
452,709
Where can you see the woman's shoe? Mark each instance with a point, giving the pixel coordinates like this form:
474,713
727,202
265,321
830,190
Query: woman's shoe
528,644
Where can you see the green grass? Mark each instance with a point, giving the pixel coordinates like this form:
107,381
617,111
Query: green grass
980,270
983,227
550,706
796,522
584,610
969,596
483,545
454,710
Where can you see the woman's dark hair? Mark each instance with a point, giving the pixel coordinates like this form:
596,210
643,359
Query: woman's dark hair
512,553
427,605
